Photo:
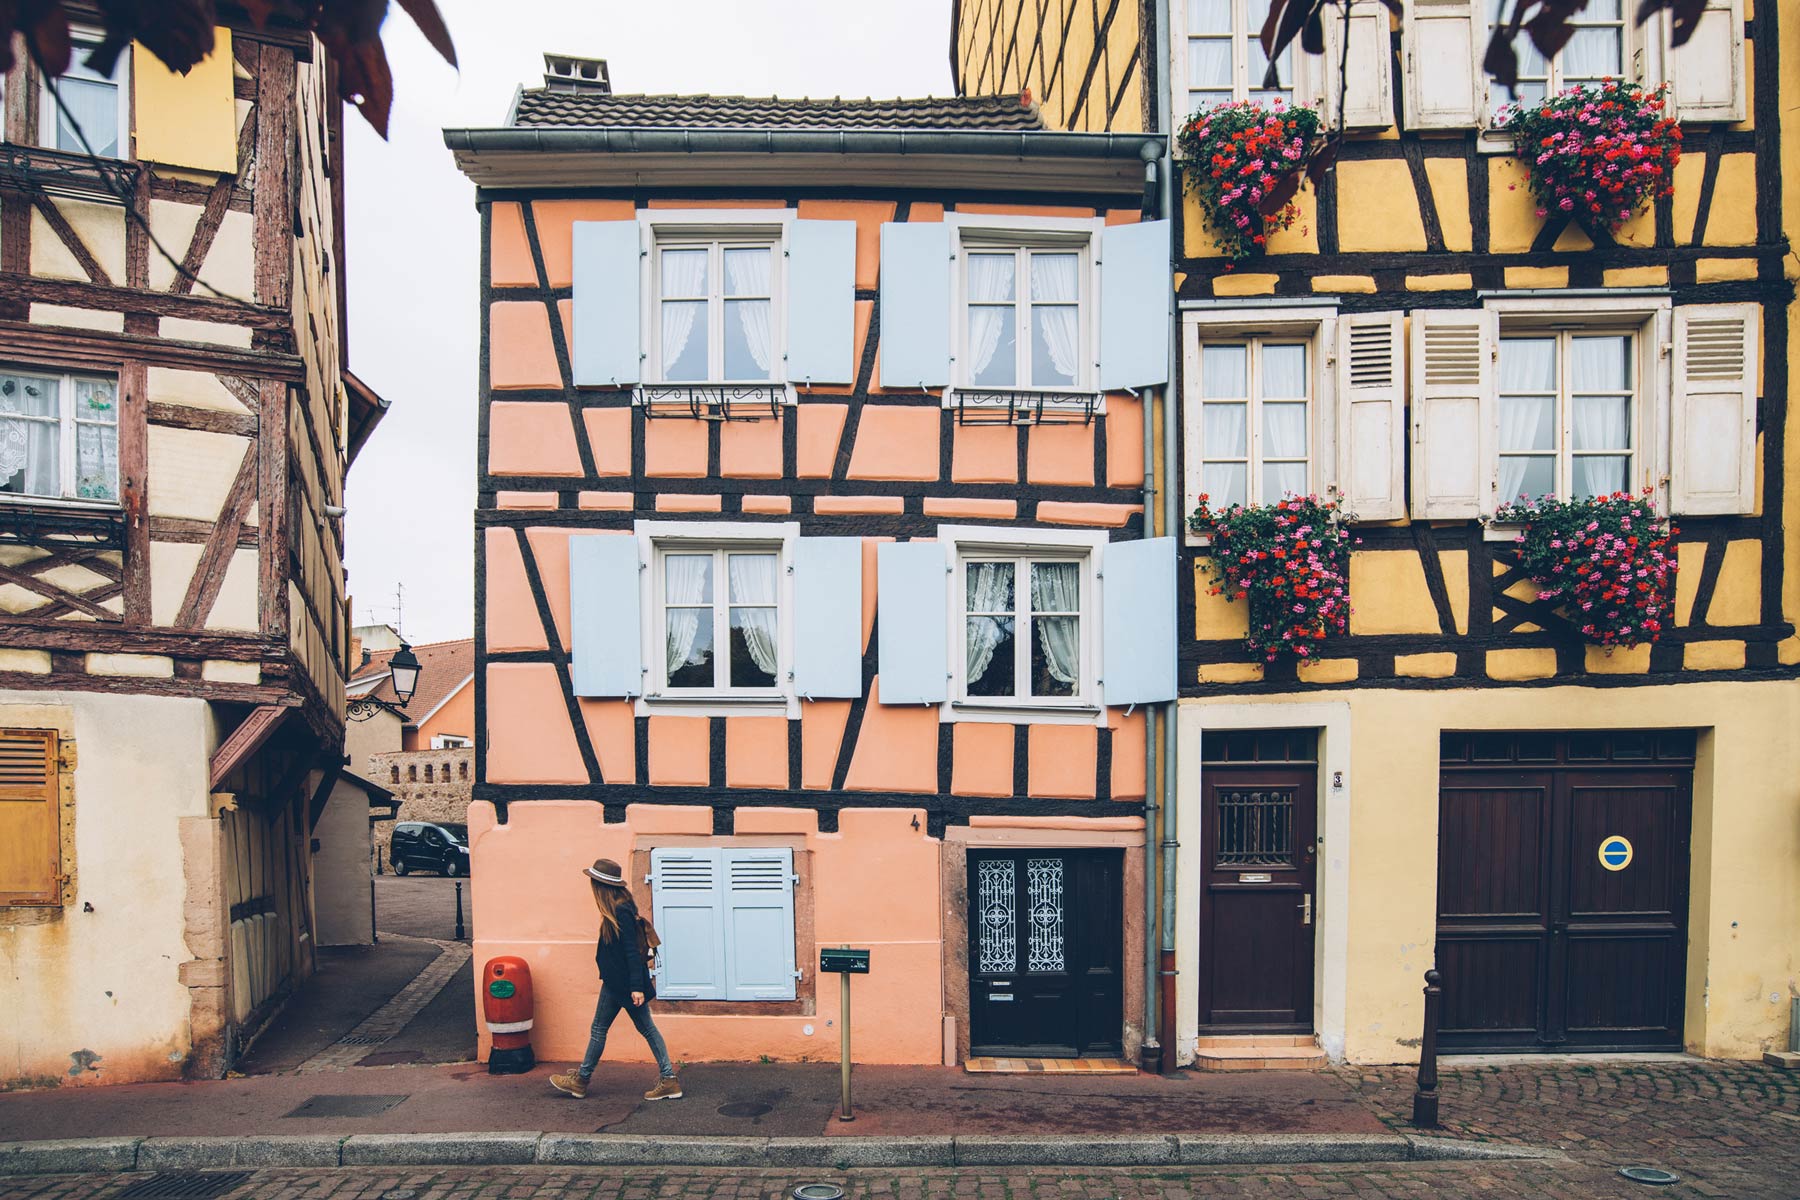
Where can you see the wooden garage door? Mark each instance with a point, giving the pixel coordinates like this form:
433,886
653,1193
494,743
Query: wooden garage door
1562,890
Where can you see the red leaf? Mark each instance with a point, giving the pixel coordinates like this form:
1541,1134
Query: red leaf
1686,14
431,23
1550,31
1277,197
1501,61
1323,159
1285,20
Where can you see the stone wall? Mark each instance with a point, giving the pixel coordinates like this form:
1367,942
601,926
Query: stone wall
431,785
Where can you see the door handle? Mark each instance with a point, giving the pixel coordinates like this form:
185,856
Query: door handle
1305,907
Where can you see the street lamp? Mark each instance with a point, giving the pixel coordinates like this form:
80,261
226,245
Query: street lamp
403,673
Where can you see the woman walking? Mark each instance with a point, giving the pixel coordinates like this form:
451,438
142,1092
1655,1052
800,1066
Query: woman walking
624,983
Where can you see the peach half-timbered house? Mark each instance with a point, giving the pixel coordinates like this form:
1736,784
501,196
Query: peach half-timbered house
812,582
176,421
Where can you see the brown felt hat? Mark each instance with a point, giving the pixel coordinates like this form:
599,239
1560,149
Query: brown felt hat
605,870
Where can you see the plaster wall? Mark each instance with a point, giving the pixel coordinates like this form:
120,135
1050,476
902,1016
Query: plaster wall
1378,882
98,996
343,911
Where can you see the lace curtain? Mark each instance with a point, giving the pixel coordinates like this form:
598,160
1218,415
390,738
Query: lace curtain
684,275
747,273
687,580
990,590
990,307
1056,587
1055,290
1600,421
93,101
753,586
1527,407
29,457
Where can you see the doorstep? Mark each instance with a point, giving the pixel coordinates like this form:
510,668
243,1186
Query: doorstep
1048,1066
1259,1052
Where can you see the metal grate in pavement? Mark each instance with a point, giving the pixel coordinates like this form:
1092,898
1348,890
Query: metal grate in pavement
333,1105
362,1039
184,1185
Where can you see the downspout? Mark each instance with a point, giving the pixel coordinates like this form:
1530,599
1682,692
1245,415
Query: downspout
1150,1056
1165,125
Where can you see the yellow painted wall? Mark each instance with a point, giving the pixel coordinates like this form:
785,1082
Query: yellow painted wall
1048,47
187,120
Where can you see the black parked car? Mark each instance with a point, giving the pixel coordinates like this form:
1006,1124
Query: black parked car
430,847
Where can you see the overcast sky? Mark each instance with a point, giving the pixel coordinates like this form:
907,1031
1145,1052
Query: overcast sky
413,234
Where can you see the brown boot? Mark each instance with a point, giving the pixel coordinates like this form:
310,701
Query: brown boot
665,1089
571,1084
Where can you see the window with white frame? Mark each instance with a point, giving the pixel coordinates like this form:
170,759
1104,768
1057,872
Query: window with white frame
59,435
1256,419
1567,409
718,619
93,106
1026,321
717,316
1026,632
1224,55
450,741
1600,49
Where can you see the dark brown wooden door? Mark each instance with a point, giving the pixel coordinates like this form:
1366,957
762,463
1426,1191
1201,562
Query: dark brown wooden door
1541,946
1046,952
1259,842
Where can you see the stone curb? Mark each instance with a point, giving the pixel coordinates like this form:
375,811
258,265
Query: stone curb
92,1155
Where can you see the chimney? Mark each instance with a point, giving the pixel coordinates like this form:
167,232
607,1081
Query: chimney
567,73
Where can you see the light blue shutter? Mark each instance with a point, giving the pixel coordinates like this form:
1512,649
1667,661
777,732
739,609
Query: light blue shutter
1137,654
607,299
828,617
915,304
689,917
821,305
911,601
604,616
759,924
1136,289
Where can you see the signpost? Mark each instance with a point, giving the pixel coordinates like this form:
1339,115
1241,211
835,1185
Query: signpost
844,962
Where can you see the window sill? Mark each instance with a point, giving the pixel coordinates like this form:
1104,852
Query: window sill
713,401
718,706
24,518
1493,531
61,173
1025,406
1022,714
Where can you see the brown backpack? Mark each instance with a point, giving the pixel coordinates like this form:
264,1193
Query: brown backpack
648,941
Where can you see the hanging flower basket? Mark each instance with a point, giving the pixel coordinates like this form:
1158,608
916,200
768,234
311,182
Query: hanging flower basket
1243,164
1609,561
1598,152
1290,562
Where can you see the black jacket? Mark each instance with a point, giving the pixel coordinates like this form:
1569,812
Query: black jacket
621,960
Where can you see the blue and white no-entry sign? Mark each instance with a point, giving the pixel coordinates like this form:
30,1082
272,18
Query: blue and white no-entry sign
1615,853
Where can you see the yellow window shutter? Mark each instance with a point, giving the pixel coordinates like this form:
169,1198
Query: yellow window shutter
187,120
30,817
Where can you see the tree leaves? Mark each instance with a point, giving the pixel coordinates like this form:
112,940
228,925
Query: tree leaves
180,33
1686,16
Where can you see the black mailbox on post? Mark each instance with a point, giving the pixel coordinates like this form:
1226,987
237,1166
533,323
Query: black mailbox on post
844,961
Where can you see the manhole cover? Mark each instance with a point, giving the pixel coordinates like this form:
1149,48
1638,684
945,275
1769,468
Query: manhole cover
346,1106
1654,1175
184,1185
818,1191
747,1108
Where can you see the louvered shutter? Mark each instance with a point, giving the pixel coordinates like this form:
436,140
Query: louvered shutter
1134,305
821,302
1443,44
1371,415
915,304
607,300
688,912
828,614
1368,93
606,648
759,924
912,617
1452,389
1713,413
30,818
1706,76
1138,646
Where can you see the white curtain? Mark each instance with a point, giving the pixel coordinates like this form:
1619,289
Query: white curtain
1056,587
1593,54
1056,280
1284,437
1527,366
990,589
683,274
990,283
96,439
753,585
30,447
747,273
94,105
1599,422
684,583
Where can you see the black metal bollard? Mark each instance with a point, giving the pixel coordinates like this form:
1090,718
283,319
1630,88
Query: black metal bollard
459,917
1425,1100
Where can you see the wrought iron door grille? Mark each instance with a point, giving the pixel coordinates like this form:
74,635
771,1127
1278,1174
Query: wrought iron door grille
1255,829
998,950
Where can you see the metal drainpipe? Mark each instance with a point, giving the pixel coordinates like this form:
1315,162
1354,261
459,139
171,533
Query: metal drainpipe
1151,1055
1172,492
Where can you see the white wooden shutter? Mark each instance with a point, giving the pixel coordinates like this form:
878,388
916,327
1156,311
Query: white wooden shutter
1443,46
1453,406
1706,76
1713,414
759,924
688,913
1371,425
1368,92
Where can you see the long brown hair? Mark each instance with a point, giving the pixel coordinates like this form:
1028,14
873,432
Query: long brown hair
608,899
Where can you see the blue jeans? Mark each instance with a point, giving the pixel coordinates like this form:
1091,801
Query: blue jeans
604,1013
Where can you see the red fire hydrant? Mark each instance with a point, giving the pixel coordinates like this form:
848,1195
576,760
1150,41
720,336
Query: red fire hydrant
506,1005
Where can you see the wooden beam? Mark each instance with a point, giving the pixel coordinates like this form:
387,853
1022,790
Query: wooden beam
215,559
51,592
274,186
98,349
134,487
246,740
184,529
30,633
206,420
76,680
76,294
212,215
65,233
321,796
244,390
272,514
